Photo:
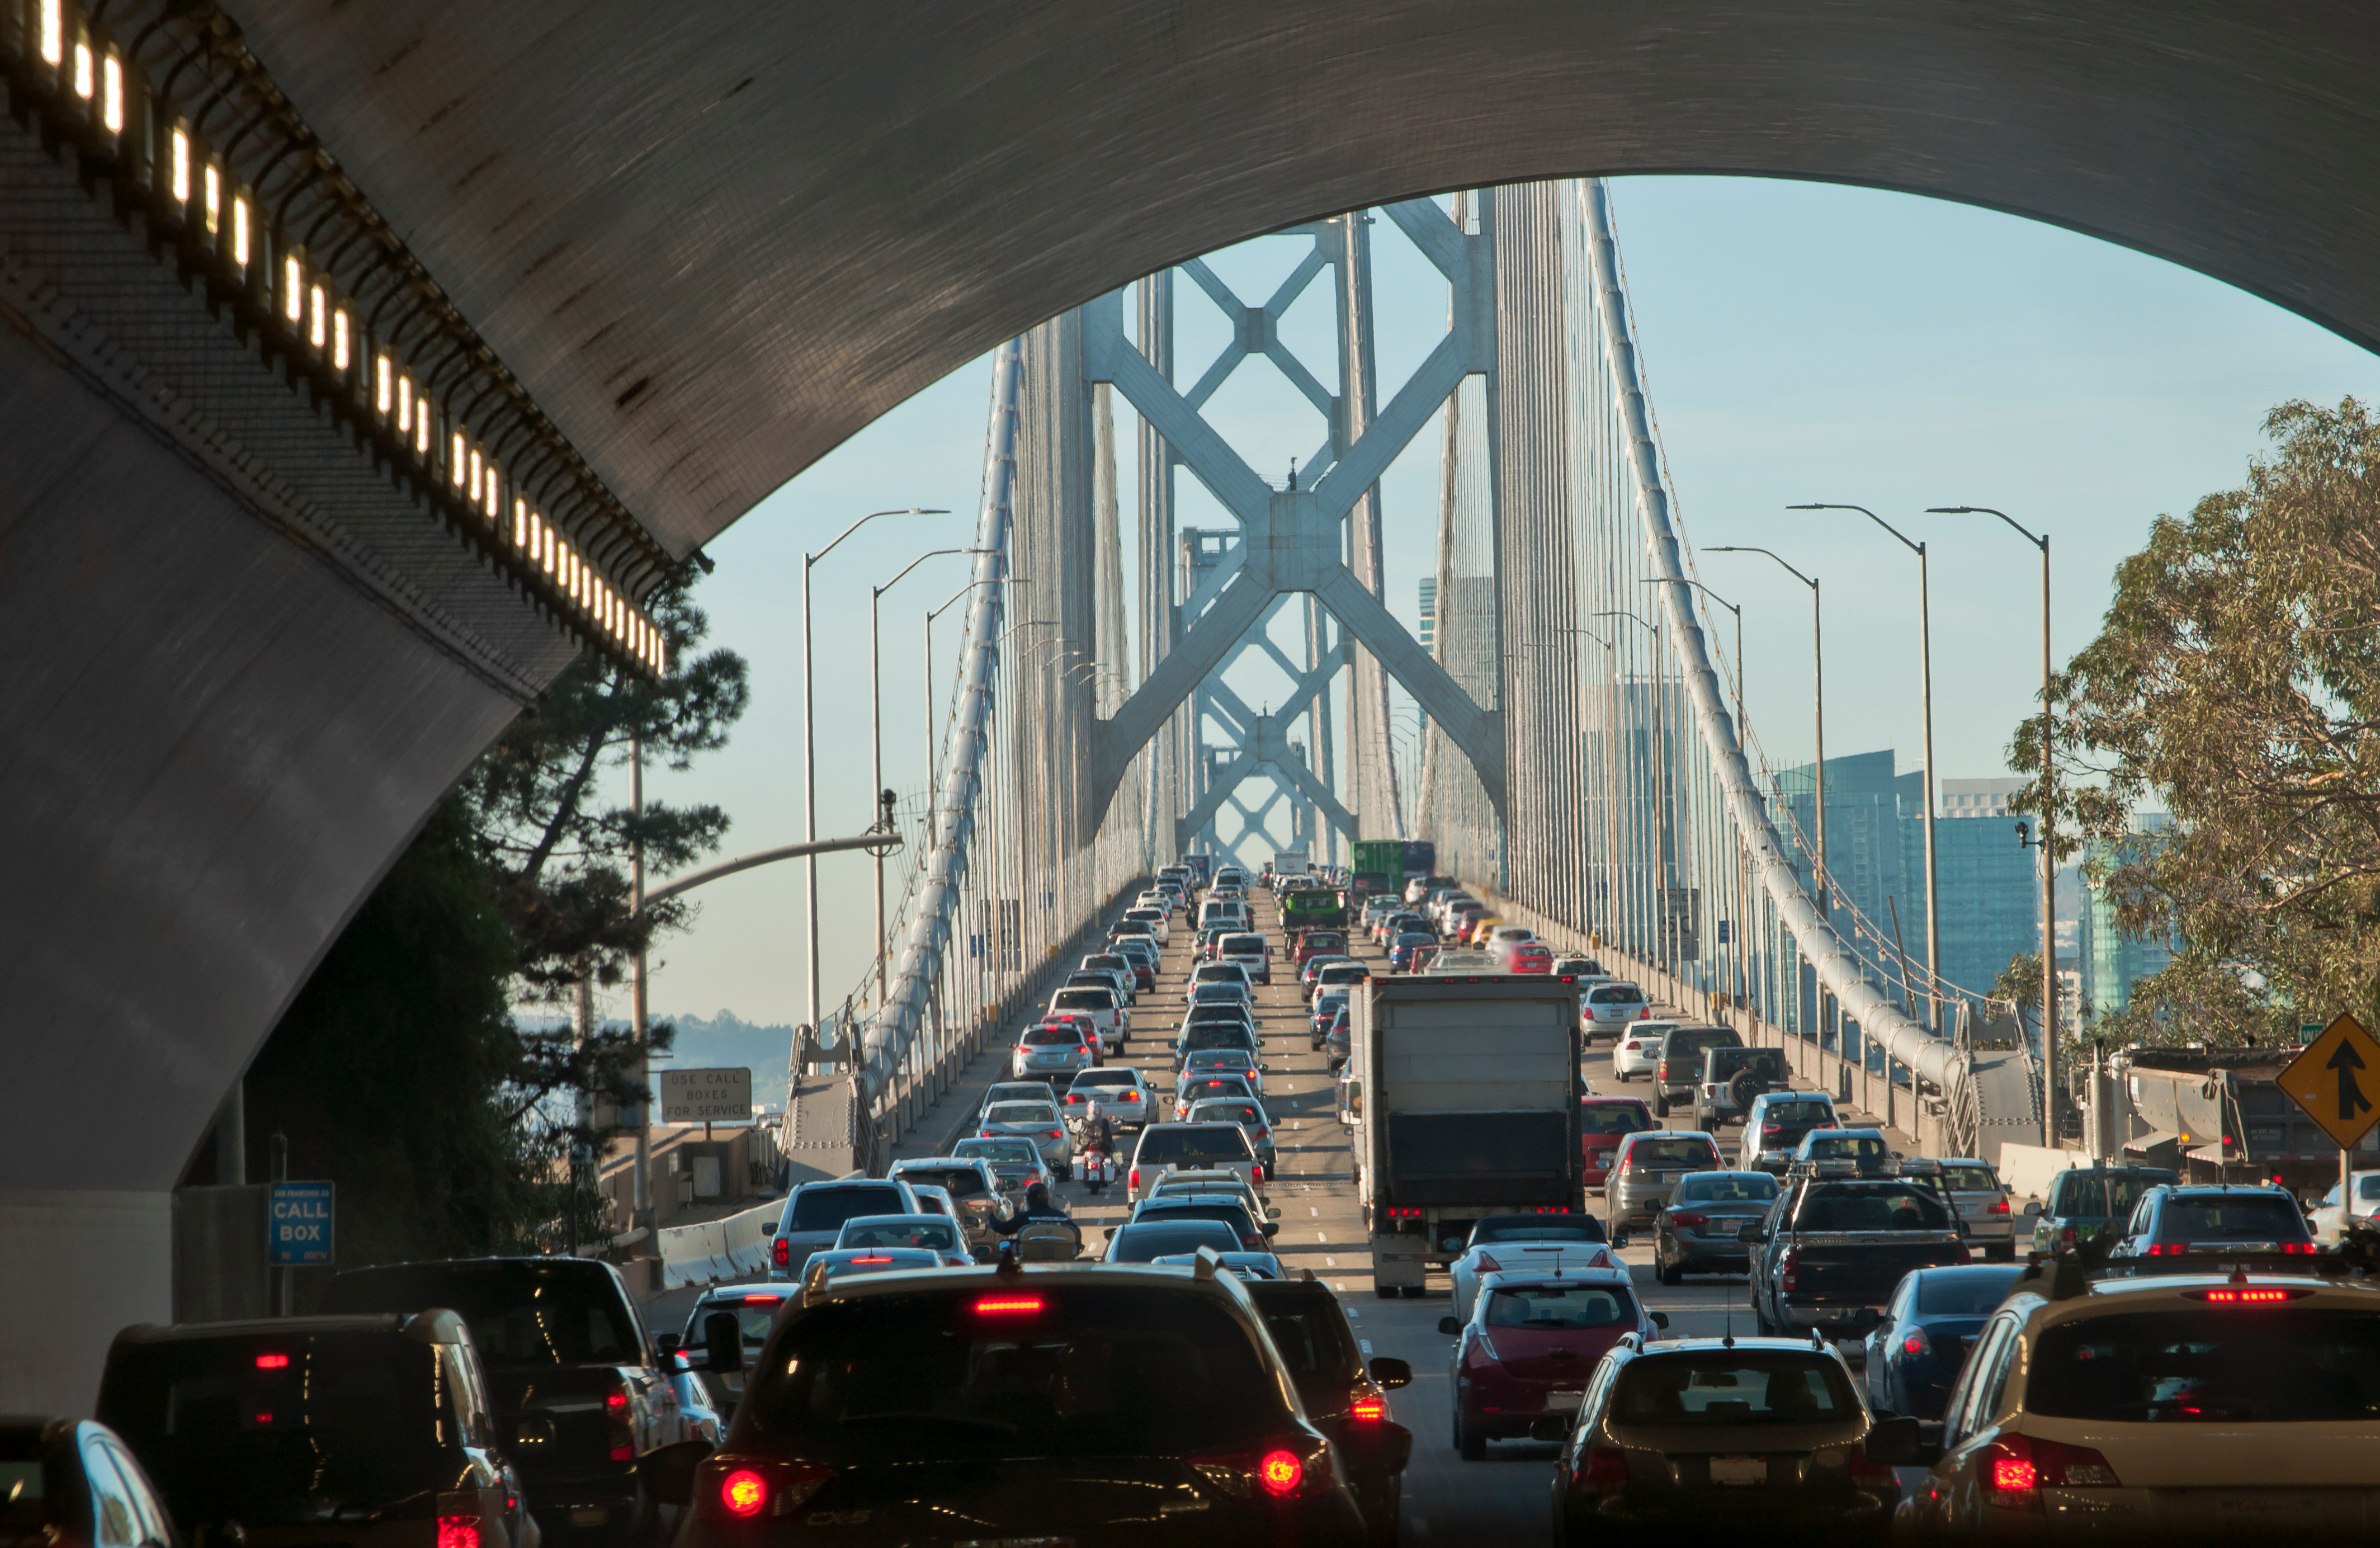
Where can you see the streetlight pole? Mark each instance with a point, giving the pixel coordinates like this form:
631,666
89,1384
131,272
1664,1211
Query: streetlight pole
1925,701
932,613
809,751
1684,581
876,736
1819,726
2050,1081
1658,767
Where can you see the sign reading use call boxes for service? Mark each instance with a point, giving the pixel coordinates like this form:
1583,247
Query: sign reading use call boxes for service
706,1096
298,1230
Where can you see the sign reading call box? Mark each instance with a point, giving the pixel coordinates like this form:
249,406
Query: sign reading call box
706,1096
297,1230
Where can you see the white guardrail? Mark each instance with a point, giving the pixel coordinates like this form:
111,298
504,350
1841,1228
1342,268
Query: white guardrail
716,1251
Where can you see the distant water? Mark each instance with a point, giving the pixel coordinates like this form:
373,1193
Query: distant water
722,1041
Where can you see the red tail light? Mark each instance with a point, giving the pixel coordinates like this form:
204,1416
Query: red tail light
1695,1222
621,1422
1914,1343
1790,1262
1873,1475
1135,1184
783,1252
2016,1468
1280,1471
1369,1408
271,1362
1999,1206
741,1490
459,1532
1602,1467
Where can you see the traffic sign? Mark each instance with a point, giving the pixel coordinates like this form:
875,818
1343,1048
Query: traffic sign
297,1226
703,1096
2337,1081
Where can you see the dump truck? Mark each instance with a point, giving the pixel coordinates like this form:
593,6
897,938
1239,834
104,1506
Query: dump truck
2216,1115
1470,1108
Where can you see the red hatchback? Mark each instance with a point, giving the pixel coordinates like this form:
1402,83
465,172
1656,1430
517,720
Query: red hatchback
1531,1345
1530,956
1321,942
1603,1122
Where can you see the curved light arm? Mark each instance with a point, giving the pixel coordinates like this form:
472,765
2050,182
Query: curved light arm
904,510
1772,554
1689,580
881,843
930,553
1918,548
2041,542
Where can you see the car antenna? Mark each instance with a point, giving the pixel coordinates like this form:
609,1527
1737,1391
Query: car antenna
1727,1340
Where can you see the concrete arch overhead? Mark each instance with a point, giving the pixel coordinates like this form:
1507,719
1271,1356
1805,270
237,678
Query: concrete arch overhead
718,237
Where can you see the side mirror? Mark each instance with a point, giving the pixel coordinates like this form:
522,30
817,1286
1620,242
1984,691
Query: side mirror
1551,1427
1273,1212
1269,1229
1661,1321
669,1472
1451,1326
670,1343
1753,1232
1893,1440
1392,1373
723,1339
2031,1208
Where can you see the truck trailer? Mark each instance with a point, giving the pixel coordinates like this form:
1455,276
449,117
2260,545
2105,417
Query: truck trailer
2215,1115
1469,1107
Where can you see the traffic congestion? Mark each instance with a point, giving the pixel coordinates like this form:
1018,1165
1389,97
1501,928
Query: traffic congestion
1305,1216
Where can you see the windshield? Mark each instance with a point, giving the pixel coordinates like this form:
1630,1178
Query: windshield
520,1313
1964,1292
1969,1179
825,1209
1093,1078
1672,1154
1052,1037
1870,1207
1227,1112
2231,1217
1728,1188
1213,1086
1243,946
901,1231
1557,1307
1312,1335
1085,999
994,1148
1325,939
1730,1388
756,1315
252,1425
1550,1229
1021,1113
1220,994
1614,994
1070,1374
1797,1112
1138,1244
1206,1145
1354,973
2218,1365
1848,1147
1613,1118
1113,962
1222,1058
2105,1194
959,1182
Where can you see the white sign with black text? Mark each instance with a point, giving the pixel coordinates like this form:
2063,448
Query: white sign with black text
706,1096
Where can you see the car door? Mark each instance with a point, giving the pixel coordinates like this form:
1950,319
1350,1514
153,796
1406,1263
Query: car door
1765,1254
1877,1368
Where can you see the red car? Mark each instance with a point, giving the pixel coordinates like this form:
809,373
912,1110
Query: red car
1531,1346
1603,1122
1530,956
1321,942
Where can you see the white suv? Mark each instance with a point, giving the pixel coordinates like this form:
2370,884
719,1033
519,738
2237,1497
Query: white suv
1103,1006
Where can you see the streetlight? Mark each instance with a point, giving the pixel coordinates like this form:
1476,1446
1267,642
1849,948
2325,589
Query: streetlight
1818,699
809,746
1925,701
1684,581
2048,825
875,733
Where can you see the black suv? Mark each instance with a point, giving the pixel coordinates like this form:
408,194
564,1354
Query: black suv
2184,1222
377,1431
1343,1398
579,1393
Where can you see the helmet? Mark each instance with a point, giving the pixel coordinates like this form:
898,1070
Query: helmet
1037,1196
1092,1112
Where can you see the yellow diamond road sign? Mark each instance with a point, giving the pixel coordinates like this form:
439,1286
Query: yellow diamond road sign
2337,1080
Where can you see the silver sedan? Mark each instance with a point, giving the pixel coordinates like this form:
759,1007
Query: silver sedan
1037,1121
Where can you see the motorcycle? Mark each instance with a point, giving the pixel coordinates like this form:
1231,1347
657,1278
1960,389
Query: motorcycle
1096,1168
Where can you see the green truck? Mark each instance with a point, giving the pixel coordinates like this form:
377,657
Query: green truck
1384,857
1312,909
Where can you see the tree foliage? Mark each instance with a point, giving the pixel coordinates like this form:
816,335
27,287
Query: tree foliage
2235,683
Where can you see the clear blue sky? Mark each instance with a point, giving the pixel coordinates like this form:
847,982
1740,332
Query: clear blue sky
1801,342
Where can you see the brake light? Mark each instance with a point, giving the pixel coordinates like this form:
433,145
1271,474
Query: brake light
745,1490
2016,1468
1369,1408
271,1362
459,1532
1259,1170
783,1252
617,1400
1999,1206
874,1258
1790,1262
1281,1473
1488,1264
1602,1467
1914,1342
2236,1297
1696,1221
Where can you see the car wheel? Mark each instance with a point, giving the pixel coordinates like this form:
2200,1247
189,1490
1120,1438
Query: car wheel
1414,1292
2005,1252
1673,1274
1660,1102
1385,1292
1472,1446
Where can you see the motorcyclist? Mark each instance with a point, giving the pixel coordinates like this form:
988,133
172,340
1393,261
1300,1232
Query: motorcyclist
1038,1209
1098,1133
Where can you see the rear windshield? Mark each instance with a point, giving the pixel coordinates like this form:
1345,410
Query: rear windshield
249,1426
1214,1086
1828,1146
2233,1218
1227,992
755,1314
825,1209
1085,999
1614,994
1222,1058
1176,1211
1416,938
1613,1118
959,1182
1583,1228
1672,1152
2105,1193
928,1233
1325,939
1205,1145
1554,1306
2219,1365
1229,1113
1220,972
1351,972
1052,1037
1313,1337
1021,1113
1731,1388
1138,1244
1103,1078
521,1313
1871,1207
1114,961
1218,1027
1015,1149
1251,945
1728,1188
1969,1179
922,1377
1964,1292
1798,1113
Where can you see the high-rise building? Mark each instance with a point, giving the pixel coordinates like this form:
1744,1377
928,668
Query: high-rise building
2112,961
1428,611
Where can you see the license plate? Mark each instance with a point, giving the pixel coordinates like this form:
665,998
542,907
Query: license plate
1564,1402
1736,1471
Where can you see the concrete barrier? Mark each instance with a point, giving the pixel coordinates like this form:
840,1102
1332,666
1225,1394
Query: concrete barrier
2028,1169
715,1251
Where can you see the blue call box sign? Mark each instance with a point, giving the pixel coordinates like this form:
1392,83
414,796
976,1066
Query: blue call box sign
297,1232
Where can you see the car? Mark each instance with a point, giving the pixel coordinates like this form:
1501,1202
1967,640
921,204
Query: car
1635,1050
1037,1121
1012,1090
72,1484
553,1338
1339,1043
1504,937
269,1427
1603,1122
814,1212
1580,967
1341,978
1128,929
1167,1148
1608,1009
1407,944
2083,1201
1309,970
1246,1113
1677,1067
1164,1238
1145,958
1774,1124
1253,1233
1529,1348
1160,922
1483,929
1981,1200
2328,1220
1103,1004
1699,1230
1505,1243
1319,943
2184,1407
1249,1266
1221,992
970,1183
1055,1053
1218,1032
1747,1440
1345,1395
1226,1061
934,1201
1227,1184
1191,1090
2184,1221
1645,1171
1731,1079
1914,1354
1016,1162
1123,1092
1215,972
1118,969
707,1400
1834,1246
1868,1151
1222,913
1328,1008
922,1233
1529,956
1250,951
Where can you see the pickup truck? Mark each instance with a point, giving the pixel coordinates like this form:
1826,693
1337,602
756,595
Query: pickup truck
1834,1246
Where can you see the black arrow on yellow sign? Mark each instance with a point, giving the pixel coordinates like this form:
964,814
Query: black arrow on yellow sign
2352,1103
